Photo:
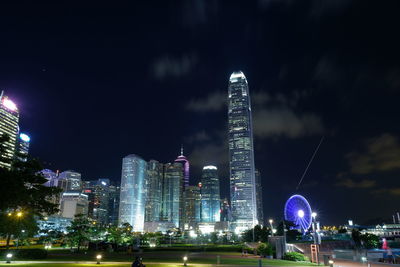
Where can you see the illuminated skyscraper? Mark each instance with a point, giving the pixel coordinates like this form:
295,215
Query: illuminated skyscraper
9,117
172,194
154,184
192,207
133,192
210,197
70,181
260,212
23,146
241,154
183,160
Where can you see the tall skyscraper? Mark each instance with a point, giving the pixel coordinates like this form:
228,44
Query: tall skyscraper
154,183
23,146
113,205
98,192
183,160
241,154
210,196
133,192
260,211
9,118
192,207
172,194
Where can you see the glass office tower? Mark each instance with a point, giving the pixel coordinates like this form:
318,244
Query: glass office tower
241,154
9,117
210,197
154,184
172,194
260,211
133,192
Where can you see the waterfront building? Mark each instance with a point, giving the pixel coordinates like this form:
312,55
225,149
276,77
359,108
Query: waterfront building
133,192
186,166
241,154
210,195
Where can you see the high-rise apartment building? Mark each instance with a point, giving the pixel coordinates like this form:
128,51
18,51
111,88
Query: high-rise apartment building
154,183
172,194
133,192
9,118
210,195
241,154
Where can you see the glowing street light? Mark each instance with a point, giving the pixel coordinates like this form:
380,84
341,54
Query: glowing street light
19,214
272,227
9,256
98,257
185,261
314,215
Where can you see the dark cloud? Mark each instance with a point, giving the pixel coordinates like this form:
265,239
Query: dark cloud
169,66
388,191
202,136
214,102
351,183
275,116
379,154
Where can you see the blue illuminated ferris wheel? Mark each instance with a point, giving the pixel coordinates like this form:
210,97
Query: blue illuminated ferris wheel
298,211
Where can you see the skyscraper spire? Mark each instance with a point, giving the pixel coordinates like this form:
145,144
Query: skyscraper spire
181,149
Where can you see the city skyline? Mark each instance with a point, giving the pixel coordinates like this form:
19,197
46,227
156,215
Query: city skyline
92,85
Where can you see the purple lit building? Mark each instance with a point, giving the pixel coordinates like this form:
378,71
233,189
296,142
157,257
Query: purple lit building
183,160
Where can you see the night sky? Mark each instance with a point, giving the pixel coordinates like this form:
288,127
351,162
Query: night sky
96,83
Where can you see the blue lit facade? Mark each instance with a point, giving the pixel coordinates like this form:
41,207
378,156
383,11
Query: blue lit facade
172,193
23,146
133,192
241,154
210,197
154,183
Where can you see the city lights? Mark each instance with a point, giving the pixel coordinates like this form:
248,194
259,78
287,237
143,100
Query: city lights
9,104
98,258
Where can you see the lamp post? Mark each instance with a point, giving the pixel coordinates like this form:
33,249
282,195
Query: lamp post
9,256
185,258
272,227
315,234
98,258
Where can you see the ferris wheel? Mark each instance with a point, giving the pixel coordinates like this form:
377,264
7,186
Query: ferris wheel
298,211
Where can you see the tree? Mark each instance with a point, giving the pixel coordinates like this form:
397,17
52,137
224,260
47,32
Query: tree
23,191
265,249
356,236
259,233
78,231
369,240
291,233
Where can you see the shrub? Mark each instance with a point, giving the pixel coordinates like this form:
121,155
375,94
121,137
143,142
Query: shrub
265,249
27,254
295,256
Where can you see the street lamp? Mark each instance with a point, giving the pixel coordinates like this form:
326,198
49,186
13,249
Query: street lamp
185,261
98,257
272,227
315,235
9,256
